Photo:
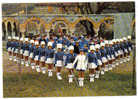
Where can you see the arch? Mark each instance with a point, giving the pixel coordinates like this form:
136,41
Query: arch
104,19
9,19
59,19
83,18
33,19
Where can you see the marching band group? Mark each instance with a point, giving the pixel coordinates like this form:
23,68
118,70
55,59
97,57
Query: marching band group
73,53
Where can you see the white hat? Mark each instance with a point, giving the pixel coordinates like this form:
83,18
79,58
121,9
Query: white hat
110,42
124,38
106,41
9,37
59,45
14,37
121,40
102,44
21,39
26,39
92,47
17,38
42,43
113,40
129,37
36,43
97,46
31,41
49,44
71,47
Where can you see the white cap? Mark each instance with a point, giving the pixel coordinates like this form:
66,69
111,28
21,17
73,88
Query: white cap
121,40
102,44
49,44
117,40
31,41
9,37
92,47
17,38
110,42
21,39
26,39
129,37
36,43
42,43
113,40
59,45
106,41
124,38
97,46
71,47
14,37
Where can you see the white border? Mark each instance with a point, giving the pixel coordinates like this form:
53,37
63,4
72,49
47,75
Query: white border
45,1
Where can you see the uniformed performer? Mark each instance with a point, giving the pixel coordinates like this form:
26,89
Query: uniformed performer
50,58
26,52
16,49
130,47
8,47
21,50
59,60
99,60
70,57
92,62
81,60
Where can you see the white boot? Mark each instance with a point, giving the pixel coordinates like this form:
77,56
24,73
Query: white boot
22,62
10,58
106,68
26,64
82,83
50,73
43,69
91,77
33,65
38,68
110,67
59,76
97,74
14,59
70,78
102,71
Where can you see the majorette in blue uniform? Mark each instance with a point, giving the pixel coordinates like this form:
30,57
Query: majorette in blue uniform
104,57
130,47
49,58
92,62
82,61
59,60
42,52
70,57
16,48
26,52
21,50
8,47
99,60
36,56
126,46
31,50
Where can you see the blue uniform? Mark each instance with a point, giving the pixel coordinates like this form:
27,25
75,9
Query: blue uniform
70,58
49,53
36,52
92,58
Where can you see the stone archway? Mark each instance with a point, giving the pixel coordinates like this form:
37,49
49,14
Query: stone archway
36,23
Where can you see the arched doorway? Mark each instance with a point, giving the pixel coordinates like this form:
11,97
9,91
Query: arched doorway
84,27
9,28
59,28
15,30
4,31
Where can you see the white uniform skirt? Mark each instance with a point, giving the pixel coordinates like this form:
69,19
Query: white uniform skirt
70,66
116,54
9,49
49,61
31,55
42,59
121,52
59,63
104,59
16,51
12,49
126,51
99,62
36,58
109,58
92,65
129,49
21,51
113,57
26,53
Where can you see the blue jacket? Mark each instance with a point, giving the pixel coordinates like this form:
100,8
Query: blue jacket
70,58
31,49
92,58
36,51
49,53
42,52
9,44
98,54
25,47
103,52
59,56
